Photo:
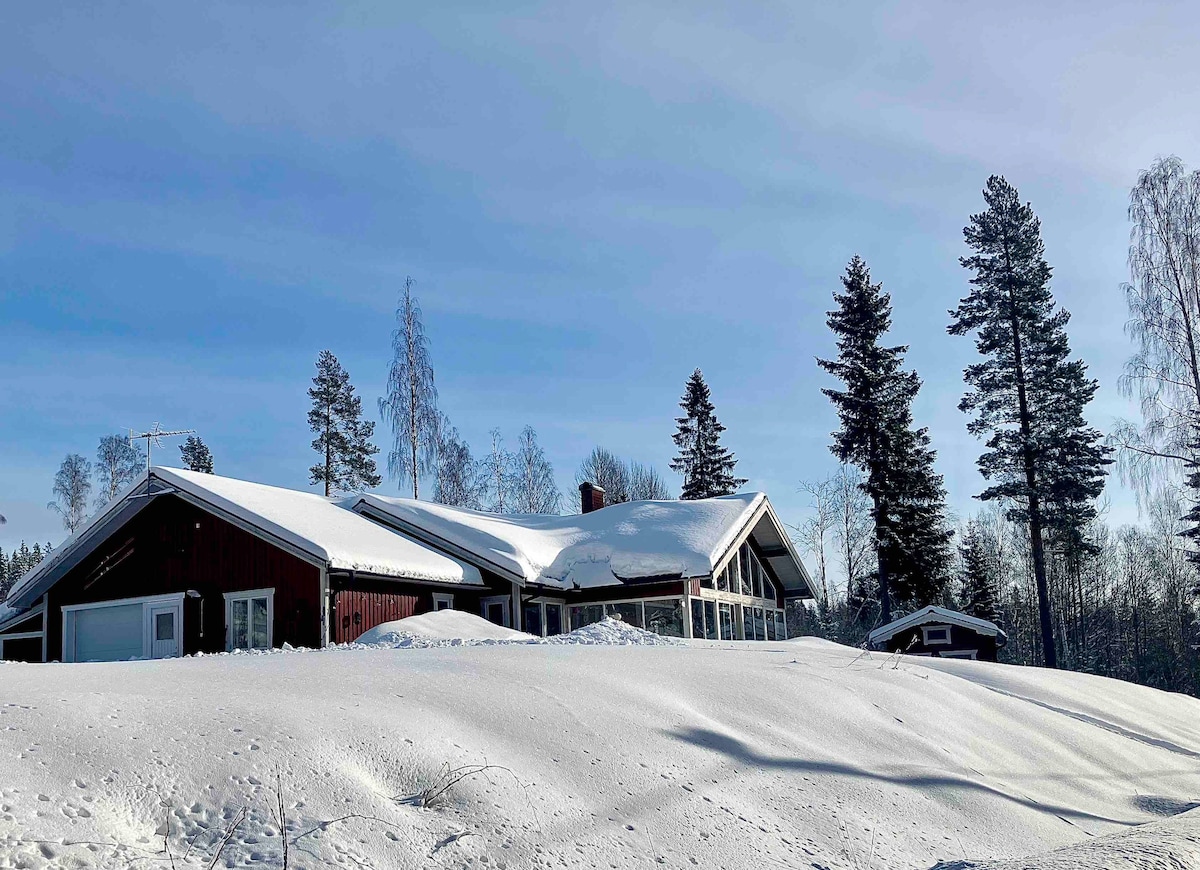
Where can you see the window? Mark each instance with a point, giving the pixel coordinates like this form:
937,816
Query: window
710,620
935,634
164,625
629,612
726,612
760,624
443,601
249,619
494,609
531,619
665,617
723,580
586,614
697,618
554,619
770,625
780,625
959,654
707,582
744,570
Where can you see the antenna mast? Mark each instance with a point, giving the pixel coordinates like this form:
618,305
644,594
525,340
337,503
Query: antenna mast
152,438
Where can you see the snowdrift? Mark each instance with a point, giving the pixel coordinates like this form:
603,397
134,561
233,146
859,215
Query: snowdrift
523,754
441,625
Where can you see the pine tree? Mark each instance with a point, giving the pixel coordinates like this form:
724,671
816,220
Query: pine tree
343,436
5,581
978,576
410,406
196,455
1027,395
72,489
706,466
118,463
877,435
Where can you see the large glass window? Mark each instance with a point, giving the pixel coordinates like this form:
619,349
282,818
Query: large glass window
770,625
723,580
665,617
629,611
554,619
531,619
780,625
760,624
726,621
758,576
710,620
744,570
697,618
585,614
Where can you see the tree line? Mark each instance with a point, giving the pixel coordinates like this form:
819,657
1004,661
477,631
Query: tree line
1038,559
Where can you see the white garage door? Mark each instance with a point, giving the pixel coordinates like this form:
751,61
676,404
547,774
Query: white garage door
108,634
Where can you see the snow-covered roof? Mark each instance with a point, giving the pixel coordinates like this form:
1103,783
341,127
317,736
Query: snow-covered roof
321,528
940,615
632,541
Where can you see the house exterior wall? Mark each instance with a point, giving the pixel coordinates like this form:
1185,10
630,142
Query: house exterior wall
359,603
962,639
174,546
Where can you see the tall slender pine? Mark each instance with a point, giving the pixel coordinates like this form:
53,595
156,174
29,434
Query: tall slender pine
1028,397
877,435
706,466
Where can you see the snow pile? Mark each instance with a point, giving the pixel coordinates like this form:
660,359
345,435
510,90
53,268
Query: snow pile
613,632
542,754
440,625
623,541
465,629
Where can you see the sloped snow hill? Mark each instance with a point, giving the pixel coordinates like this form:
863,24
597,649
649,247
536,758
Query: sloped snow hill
796,754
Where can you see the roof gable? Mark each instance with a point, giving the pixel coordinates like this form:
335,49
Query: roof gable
936,614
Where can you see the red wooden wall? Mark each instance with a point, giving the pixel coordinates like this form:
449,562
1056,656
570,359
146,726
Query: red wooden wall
174,546
356,610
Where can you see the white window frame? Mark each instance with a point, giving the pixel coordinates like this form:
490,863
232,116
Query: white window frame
506,600
972,654
446,598
925,629
247,595
148,602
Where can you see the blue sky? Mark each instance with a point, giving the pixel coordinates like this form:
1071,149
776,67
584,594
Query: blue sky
593,200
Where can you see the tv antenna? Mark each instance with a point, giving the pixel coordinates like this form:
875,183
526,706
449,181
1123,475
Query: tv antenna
152,438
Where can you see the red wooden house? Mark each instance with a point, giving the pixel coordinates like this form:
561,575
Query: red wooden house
186,562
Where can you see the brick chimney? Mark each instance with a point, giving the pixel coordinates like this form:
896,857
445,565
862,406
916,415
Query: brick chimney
591,496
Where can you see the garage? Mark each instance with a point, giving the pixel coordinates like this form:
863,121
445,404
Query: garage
113,631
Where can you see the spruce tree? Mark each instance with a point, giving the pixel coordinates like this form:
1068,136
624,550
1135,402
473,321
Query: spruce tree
706,466
877,435
5,581
978,576
1028,397
196,455
343,436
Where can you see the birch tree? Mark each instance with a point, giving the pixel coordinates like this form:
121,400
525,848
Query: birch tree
72,488
410,406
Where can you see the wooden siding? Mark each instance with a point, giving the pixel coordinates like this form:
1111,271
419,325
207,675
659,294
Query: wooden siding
360,603
174,546
912,641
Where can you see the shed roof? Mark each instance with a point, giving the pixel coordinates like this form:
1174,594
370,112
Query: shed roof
939,615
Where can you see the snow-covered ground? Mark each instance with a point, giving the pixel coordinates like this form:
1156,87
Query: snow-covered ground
524,754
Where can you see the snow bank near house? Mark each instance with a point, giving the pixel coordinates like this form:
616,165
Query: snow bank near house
465,629
441,625
702,754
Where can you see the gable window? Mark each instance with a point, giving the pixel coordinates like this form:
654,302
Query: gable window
935,634
726,611
249,619
443,601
